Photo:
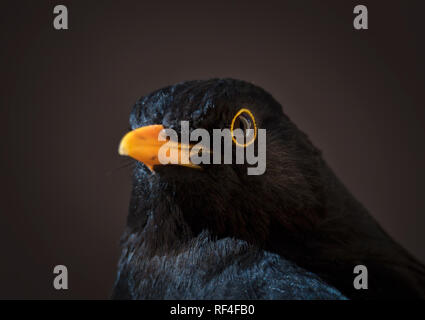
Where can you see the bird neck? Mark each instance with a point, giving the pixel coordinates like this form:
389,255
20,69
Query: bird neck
331,239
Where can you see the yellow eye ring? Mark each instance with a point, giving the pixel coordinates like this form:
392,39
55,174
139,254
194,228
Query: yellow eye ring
247,111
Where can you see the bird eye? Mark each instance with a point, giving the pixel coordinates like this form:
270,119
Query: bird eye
244,121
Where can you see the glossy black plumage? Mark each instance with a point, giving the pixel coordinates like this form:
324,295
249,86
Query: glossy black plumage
293,233
222,269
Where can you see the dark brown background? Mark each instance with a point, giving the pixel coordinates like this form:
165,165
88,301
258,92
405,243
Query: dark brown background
66,97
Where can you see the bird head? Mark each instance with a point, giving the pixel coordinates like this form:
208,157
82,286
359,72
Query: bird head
221,197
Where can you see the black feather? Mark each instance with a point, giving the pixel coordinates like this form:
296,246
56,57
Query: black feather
294,232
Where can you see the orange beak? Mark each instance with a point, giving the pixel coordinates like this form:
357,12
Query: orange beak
144,144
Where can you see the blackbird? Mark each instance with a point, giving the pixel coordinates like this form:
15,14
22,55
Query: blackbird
212,231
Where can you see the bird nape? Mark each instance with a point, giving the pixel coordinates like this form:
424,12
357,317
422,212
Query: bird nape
294,232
